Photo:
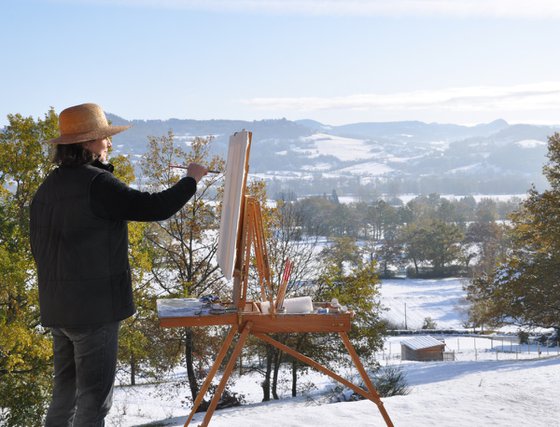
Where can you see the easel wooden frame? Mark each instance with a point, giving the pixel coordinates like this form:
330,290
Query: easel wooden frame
250,321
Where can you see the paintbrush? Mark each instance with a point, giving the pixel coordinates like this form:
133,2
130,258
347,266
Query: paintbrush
185,167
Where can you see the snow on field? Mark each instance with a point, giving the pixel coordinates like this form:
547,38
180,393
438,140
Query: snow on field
530,143
391,158
506,393
494,381
468,168
410,301
367,169
316,167
337,146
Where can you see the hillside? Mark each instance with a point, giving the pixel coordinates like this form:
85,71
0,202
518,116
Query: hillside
398,157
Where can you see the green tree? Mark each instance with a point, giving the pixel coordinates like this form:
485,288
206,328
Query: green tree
524,288
383,218
341,252
316,215
486,242
25,348
354,282
391,250
433,241
442,243
412,235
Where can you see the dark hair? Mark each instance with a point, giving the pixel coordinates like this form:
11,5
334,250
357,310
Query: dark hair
72,155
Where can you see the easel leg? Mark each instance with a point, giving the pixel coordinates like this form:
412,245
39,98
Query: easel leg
217,363
365,377
371,394
225,376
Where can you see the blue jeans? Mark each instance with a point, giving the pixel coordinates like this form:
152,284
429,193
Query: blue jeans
85,363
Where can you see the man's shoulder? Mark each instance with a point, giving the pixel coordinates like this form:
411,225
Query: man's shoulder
94,170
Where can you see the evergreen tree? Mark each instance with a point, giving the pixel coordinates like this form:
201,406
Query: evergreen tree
524,289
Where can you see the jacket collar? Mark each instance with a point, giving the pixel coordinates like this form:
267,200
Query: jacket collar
105,166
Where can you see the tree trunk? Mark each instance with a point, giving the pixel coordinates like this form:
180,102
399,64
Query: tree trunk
240,363
299,344
266,382
294,377
132,369
277,362
190,363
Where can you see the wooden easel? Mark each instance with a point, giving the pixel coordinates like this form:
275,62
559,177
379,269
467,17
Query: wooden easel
249,320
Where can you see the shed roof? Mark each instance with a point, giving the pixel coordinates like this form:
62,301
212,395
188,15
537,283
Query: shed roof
418,343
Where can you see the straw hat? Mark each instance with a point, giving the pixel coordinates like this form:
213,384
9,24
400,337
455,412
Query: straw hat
84,122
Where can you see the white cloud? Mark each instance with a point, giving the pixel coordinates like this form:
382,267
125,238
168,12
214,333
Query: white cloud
459,8
528,97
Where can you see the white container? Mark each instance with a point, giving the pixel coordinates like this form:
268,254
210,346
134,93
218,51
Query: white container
298,305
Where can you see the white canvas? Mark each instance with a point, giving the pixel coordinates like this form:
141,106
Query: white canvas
231,208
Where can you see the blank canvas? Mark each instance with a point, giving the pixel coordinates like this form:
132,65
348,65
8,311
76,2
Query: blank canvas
231,208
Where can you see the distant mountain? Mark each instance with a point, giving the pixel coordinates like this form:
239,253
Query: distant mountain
418,131
313,125
410,156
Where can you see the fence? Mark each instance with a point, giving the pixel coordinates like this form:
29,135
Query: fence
476,347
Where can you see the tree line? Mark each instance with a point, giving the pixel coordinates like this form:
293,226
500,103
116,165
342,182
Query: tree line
432,235
372,188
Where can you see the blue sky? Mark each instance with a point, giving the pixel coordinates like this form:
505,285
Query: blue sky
335,61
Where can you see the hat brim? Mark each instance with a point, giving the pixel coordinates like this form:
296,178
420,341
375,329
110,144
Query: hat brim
88,136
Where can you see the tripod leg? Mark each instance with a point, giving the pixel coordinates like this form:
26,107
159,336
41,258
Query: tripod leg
217,363
376,398
225,376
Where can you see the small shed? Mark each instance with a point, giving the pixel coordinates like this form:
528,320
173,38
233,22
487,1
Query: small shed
422,349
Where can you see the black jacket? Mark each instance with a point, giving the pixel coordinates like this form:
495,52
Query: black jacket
79,239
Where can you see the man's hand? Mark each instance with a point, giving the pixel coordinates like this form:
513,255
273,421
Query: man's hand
196,171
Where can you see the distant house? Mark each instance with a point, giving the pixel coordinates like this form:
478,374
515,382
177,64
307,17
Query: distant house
422,349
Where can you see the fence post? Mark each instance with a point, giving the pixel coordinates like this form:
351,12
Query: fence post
475,351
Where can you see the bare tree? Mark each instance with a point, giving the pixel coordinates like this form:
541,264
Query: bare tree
185,244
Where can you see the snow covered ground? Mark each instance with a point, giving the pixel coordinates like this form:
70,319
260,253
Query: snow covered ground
337,146
494,381
410,301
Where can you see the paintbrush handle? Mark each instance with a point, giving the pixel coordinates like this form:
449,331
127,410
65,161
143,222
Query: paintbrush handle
186,167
